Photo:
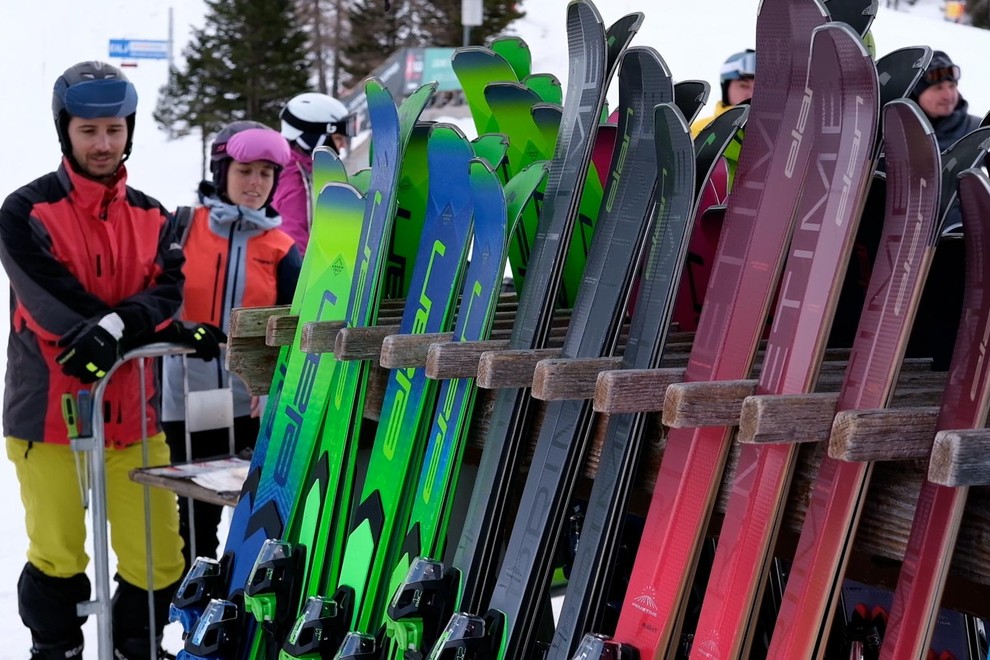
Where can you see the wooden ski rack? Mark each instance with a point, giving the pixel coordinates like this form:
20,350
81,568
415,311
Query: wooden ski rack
900,439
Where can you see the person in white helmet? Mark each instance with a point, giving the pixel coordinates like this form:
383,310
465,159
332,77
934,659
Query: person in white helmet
309,120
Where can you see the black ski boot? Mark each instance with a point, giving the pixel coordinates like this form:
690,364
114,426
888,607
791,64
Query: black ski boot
47,606
131,629
62,651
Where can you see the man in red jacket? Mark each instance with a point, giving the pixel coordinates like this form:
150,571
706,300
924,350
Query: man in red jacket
93,265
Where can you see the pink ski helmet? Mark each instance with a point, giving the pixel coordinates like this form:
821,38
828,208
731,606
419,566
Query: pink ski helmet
247,142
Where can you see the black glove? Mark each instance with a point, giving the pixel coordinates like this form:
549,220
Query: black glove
89,352
203,337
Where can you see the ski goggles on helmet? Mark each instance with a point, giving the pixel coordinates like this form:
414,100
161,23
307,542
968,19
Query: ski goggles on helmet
739,66
346,126
939,74
93,99
254,144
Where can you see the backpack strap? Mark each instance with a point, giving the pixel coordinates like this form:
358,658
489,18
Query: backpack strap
183,221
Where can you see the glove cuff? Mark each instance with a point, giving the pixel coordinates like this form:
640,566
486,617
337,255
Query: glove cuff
113,324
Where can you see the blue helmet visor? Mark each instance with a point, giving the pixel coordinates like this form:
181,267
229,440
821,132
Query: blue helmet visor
101,98
740,66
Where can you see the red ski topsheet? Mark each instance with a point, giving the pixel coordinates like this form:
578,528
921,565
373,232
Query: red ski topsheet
757,225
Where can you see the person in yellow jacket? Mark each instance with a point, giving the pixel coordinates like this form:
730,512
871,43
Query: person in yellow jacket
737,80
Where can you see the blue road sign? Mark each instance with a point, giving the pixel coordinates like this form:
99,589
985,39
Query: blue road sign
139,49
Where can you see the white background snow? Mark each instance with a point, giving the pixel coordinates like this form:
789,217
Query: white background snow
39,39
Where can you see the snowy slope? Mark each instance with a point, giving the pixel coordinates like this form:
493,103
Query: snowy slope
40,39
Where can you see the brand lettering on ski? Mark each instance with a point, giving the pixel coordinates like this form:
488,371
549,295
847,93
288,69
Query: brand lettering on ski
621,162
915,249
797,133
404,376
295,410
850,164
447,409
541,505
283,462
656,237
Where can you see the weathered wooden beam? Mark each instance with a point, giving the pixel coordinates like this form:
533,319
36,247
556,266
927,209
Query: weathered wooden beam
459,359
363,343
961,458
402,351
558,379
787,418
281,330
320,336
710,403
514,368
252,361
253,321
883,435
634,390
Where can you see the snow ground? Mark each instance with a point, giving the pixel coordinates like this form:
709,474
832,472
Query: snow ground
40,39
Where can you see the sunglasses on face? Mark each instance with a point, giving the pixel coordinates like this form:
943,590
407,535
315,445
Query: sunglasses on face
942,74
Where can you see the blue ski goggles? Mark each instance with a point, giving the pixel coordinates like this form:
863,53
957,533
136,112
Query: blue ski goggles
100,98
741,66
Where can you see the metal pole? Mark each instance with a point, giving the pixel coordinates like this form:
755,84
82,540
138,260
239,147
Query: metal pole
97,483
171,37
146,493
467,35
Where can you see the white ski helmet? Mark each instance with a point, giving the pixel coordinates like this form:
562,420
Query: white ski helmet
309,120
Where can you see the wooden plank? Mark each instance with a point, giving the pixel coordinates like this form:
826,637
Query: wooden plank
961,458
634,390
320,336
281,330
570,378
787,418
252,361
185,488
883,435
402,351
716,403
506,369
253,321
459,359
362,343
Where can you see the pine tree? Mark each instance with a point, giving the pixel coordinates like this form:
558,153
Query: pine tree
247,60
443,21
979,13
377,32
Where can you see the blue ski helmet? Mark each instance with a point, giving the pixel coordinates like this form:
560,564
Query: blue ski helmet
737,66
246,142
92,90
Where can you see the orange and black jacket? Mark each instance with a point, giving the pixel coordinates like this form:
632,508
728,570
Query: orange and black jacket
77,249
235,257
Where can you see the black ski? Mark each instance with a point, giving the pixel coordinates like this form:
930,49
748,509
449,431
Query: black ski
594,563
595,57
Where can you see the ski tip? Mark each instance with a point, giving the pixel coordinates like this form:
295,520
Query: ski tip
669,115
647,57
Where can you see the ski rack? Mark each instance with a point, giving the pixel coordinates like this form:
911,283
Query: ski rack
93,446
957,457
